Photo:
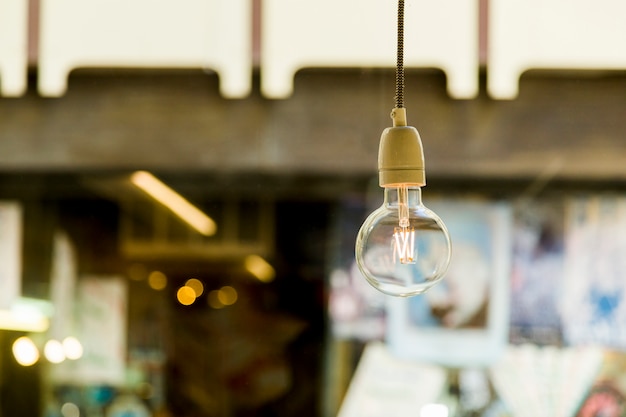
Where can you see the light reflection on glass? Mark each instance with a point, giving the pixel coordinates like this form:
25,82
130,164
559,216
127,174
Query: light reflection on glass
186,295
157,280
25,351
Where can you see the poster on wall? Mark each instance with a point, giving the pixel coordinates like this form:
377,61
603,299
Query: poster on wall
101,328
10,253
537,272
463,320
63,277
593,295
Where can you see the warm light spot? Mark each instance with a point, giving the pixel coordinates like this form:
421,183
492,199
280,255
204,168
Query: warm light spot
260,268
53,351
404,245
214,300
72,348
145,390
157,280
137,272
434,410
175,202
70,410
23,319
186,295
25,351
196,285
227,295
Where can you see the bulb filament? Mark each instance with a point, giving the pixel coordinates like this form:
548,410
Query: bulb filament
404,236
404,245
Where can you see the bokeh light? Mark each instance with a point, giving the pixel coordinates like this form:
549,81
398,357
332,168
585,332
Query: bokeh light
72,348
145,390
137,272
227,295
70,410
186,295
214,300
157,280
434,410
196,285
25,351
53,351
260,268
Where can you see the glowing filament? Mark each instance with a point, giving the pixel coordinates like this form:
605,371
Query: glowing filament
404,245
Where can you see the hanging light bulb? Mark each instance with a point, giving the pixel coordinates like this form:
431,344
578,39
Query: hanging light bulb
402,248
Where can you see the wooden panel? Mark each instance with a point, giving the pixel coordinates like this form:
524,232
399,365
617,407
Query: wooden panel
13,47
570,127
204,34
300,34
552,34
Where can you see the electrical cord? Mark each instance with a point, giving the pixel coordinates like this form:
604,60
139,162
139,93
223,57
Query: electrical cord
400,58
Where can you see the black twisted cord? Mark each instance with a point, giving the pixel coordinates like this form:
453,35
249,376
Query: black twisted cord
400,62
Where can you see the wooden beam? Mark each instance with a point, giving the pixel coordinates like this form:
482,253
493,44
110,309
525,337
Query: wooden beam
565,125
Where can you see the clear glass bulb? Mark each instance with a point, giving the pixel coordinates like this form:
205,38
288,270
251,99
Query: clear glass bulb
403,248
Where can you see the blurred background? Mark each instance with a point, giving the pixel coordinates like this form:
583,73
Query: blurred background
182,182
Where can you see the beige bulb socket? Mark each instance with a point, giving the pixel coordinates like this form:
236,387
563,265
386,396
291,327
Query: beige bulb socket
400,154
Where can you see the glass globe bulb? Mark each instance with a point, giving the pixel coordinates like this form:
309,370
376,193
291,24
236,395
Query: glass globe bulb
403,248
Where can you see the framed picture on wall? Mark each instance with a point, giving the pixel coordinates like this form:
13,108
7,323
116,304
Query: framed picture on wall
537,272
10,253
463,320
592,295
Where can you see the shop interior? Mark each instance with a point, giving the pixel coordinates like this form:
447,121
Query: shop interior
114,304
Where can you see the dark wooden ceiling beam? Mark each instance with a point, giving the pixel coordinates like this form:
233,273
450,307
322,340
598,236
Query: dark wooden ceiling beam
564,125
